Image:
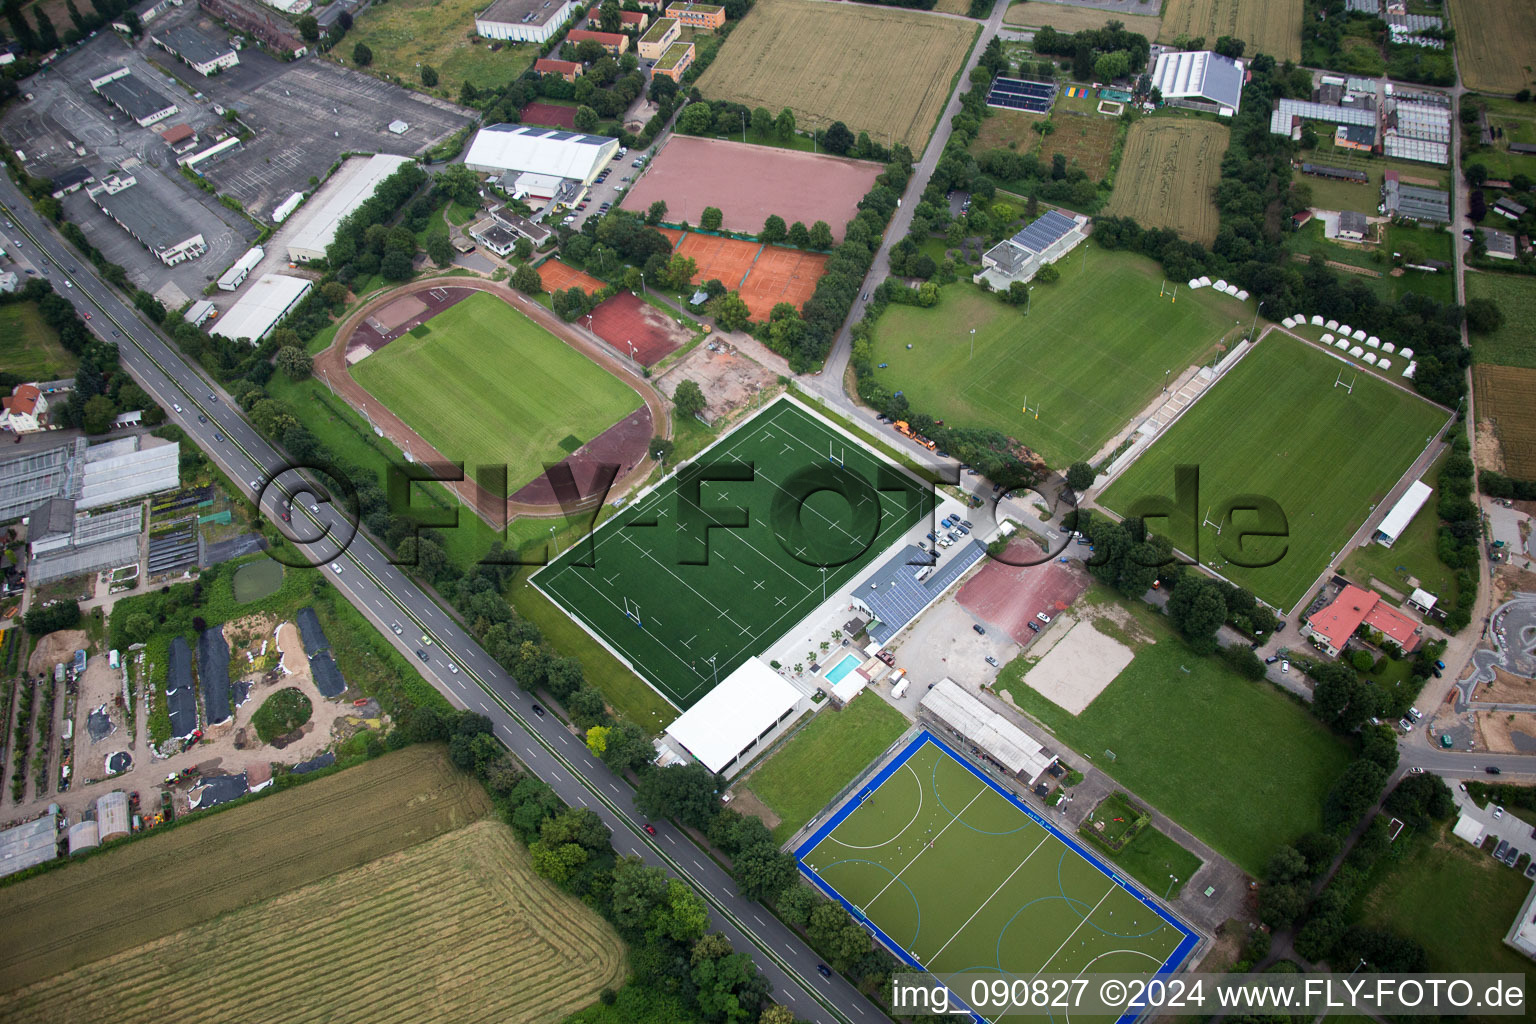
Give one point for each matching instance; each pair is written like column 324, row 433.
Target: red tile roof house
column 1330, row 628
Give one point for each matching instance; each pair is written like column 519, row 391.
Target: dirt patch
column 729, row 380
column 56, row 648
column 1507, row 732
column 746, row 802
column 1224, row 948
column 1508, row 579
column 1507, row 689
column 100, row 704
column 1078, row 667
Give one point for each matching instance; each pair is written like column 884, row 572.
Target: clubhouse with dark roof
column 133, row 97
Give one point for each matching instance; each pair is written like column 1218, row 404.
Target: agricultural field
column 375, row 921
column 1495, row 44
column 1087, row 141
column 1168, row 173
column 1506, row 399
column 140, row 891
column 1512, row 344
column 1277, row 425
column 877, row 69
column 528, row 398
column 1455, row 901
column 32, row 350
column 1069, row 18
column 1216, row 788
column 405, row 34
column 1092, row 355
column 822, row 758
column 1273, row 27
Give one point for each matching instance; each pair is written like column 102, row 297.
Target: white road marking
column 671, row 840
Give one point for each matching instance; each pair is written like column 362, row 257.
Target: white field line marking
column 896, row 877
column 935, row 956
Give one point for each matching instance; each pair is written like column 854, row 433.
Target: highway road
column 387, row 596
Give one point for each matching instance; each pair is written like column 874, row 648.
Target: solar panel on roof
column 1045, row 232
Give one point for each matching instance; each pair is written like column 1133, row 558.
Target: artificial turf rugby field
column 957, row 876
column 1281, row 425
column 683, row 599
column 487, row 386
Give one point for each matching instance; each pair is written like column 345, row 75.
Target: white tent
column 1356, row 352
column 1194, row 283
column 1371, row 342
column 1317, row 321
column 1327, row 339
column 1387, row 346
column 1370, row 357
column 1384, row 363
column 1221, row 285
column 1333, row 325
column 1359, row 335
column 1344, row 329
column 1342, row 343
column 1406, row 353
column 1289, row 322
column 1242, row 294
column 1408, row 370
column 1205, row 282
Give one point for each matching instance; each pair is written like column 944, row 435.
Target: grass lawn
column 1091, row 356
column 1416, row 553
column 1430, row 243
column 406, row 33
column 1324, row 454
column 822, row 758
column 1153, row 859
column 524, row 399
column 32, row 348
column 624, row 691
column 1454, row 901
column 1515, row 295
column 1184, row 741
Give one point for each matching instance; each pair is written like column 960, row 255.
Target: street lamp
column 1171, row 880
column 1255, row 325
column 823, row 583
column 973, row 342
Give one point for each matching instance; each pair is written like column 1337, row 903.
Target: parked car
column 1034, row 627
column 1271, row 659
column 1498, row 812
column 977, row 627
column 1416, row 714
column 1285, row 666
column 1043, row 617
column 993, row 662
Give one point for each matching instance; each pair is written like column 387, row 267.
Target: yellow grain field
column 456, row 928
column 1506, row 400
column 1170, row 167
column 1066, row 18
column 876, row 69
column 160, row 884
column 1272, row 27
column 1495, row 44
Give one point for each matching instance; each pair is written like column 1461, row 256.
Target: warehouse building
column 1501, row 244
column 347, row 189
column 1411, row 202
column 658, row 38
column 235, row 275
column 262, row 308
column 1353, row 227
column 71, row 180
column 677, row 59
column 503, row 148
column 999, row 740
column 615, row 43
column 1402, row 513
column 1510, row 209
column 180, row 137
column 523, row 21
column 30, row 844
column 738, row 719
column 158, row 227
column 199, row 51
column 1200, row 79
column 62, row 543
column 705, row 16
column 135, row 98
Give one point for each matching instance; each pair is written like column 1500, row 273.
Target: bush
column 281, row 714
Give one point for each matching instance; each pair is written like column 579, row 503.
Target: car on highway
column 538, row 711
column 453, row 668
column 87, row 316
column 421, row 654
column 200, row 417
column 256, row 486
column 176, row 407
column 218, row 437
column 396, row 627
column 286, row 517
column 650, row 829
column 426, row 641
column 824, row 970
column 336, row 568
column 1494, row 770
column 315, row 509
column 116, row 335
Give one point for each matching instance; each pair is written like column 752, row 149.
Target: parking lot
column 64, row 113
column 621, row 174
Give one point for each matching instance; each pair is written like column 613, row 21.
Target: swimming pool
column 842, row 668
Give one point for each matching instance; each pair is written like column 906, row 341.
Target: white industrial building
column 289, row 6
column 737, row 719
column 524, row 21
column 1402, row 513
column 1001, row 741
column 262, row 308
column 1201, row 79
column 160, row 228
column 145, row 104
column 1044, row 241
column 202, row 53
column 281, row 211
column 232, row 278
column 348, row 188
column 500, row 148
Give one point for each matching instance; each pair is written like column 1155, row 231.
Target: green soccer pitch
column 487, row 386
column 1277, row 425
column 1090, row 354
column 707, row 598
column 957, row 877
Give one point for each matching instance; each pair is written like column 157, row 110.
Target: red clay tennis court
column 626, row 320
column 782, row 275
column 550, row 115
column 725, row 259
column 556, row 276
